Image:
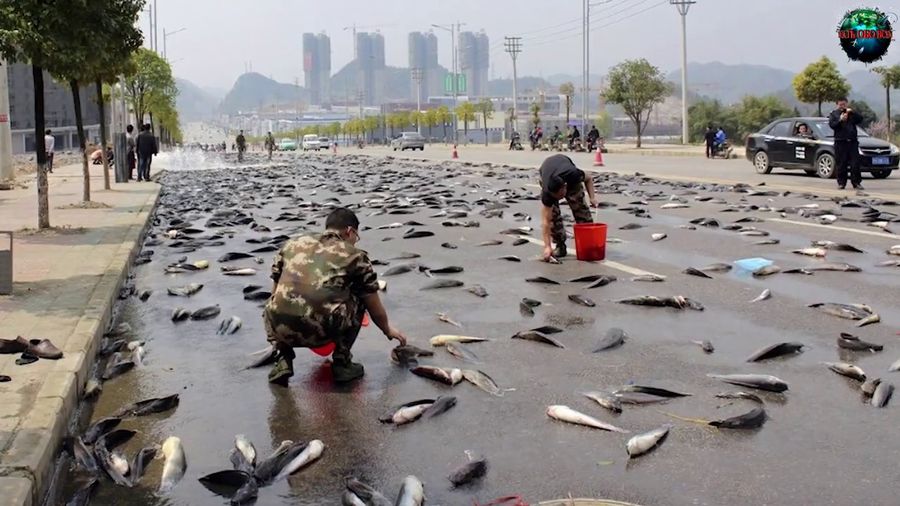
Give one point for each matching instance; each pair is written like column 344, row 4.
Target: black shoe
column 346, row 372
column 560, row 251
column 842, row 186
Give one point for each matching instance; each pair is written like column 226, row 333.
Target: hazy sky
column 223, row 35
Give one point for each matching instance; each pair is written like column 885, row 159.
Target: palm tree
column 486, row 108
column 443, row 115
column 890, row 78
column 466, row 113
column 567, row 89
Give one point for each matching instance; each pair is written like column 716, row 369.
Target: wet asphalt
column 821, row 445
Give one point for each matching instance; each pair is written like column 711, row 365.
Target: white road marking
column 634, row 271
column 833, row 227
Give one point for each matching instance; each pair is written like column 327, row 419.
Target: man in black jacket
column 710, row 137
column 843, row 121
column 146, row 147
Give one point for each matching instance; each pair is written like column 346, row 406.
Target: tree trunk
column 444, row 127
column 568, row 108
column 820, row 107
column 890, row 131
column 41, row 148
column 152, row 130
column 485, row 130
column 103, row 133
column 79, row 125
column 638, row 125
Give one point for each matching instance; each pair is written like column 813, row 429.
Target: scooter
column 722, row 150
column 515, row 144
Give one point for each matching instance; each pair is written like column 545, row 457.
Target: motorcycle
column 722, row 150
column 515, row 144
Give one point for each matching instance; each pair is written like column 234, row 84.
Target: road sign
column 460, row 83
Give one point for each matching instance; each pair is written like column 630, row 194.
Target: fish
column 676, row 301
column 451, row 245
column 228, row 257
column 752, row 419
column 180, row 314
column 812, row 252
column 139, row 464
column 399, row 269
column 412, row 492
column 442, row 283
column 251, row 288
column 442, row 375
column 602, row 281
column 882, row 395
column 407, row 413
column 889, row 263
column 766, row 271
column 586, row 279
column 144, row 295
column 851, row 342
column 520, row 241
column 758, row 381
column 258, row 296
column 848, row 370
column 893, row 250
column 606, row 400
column 246, row 449
column 767, row 242
column 868, row 320
column 83, row 456
column 119, row 330
column 442, row 339
column 462, row 352
column 705, row 345
column 631, row 226
column 82, row 496
column 775, row 350
column 406, row 353
column 389, row 226
column 658, row 237
column 226, row 483
column 696, row 272
column 440, row 406
column 267, row 469
column 848, row 311
column 405, row 256
column 99, row 428
column 547, row 329
column 651, row 278
column 310, row 454
column 446, row 319
column 247, row 271
column 762, row 296
column 92, row 389
column 869, row 386
column 531, row 302
column 453, row 269
column 481, row 380
column 367, row 495
column 113, row 464
column 581, row 300
column 265, row 249
column 567, row 414
column 526, row 310
column 542, row 279
column 538, row 337
column 229, row 325
column 468, row 472
column 614, row 337
column 493, row 242
column 717, row 267
column 894, row 367
column 186, row 290
column 417, row 234
column 510, row 258
column 149, row 406
column 478, row 290
column 740, row 395
column 206, row 313
column 837, row 246
column 175, row 464
column 646, row 442
column 650, row 390
column 674, row 205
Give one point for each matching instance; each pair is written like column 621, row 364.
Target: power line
column 554, row 35
column 598, row 27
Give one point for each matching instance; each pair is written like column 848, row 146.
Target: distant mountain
column 527, row 86
column 253, row 91
column 215, row 92
column 557, row 79
column 193, row 103
column 729, row 83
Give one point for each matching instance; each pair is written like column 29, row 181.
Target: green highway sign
column 460, row 83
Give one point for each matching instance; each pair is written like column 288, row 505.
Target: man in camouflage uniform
column 560, row 178
column 323, row 287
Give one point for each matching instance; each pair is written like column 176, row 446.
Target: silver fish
column 848, row 370
column 762, row 296
column 614, row 337
column 462, row 352
column 567, row 414
column 644, row 443
column 606, row 400
column 482, row 381
column 229, row 326
column 310, row 454
column 412, row 492
column 882, row 395
column 175, row 464
column 759, row 381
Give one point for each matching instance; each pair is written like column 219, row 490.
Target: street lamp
column 165, row 37
column 453, row 29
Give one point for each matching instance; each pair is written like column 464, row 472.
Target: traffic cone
column 598, row 158
column 455, row 155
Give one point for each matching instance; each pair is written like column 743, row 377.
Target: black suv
column 780, row 144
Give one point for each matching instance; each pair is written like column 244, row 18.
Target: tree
column 486, row 108
column 890, row 78
column 637, row 86
column 151, row 86
column 415, row 118
column 444, row 116
column 710, row 112
column 370, row 123
column 465, row 112
column 754, row 113
column 535, row 114
column 567, row 89
column 819, row 82
column 865, row 111
column 431, row 120
column 604, row 124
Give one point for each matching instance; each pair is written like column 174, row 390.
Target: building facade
column 370, row 61
column 317, row 67
column 423, row 55
column 474, row 62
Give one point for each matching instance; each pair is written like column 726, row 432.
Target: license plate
column 880, row 160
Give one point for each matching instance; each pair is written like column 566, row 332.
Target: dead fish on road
column 493, row 242
column 366, row 495
column 538, row 337
column 833, row 266
column 547, row 329
column 646, row 442
column 149, row 406
column 651, row 278
column 482, row 381
column 762, row 296
column 478, row 290
column 584, row 301
column 606, row 400
column 452, row 269
column 848, row 370
column 651, row 390
column 469, row 472
column 407, row 413
column 462, row 352
column 526, row 310
column 229, row 325
column 567, row 414
column 676, row 301
column 247, row 271
column 740, row 395
column 442, row 375
column 405, row 256
column 882, row 395
column 758, row 381
column 510, row 258
column 752, row 419
column 837, row 246
column 869, row 386
column 811, row 252
column 399, row 269
column 175, row 464
column 847, row 311
column 766, row 271
column 851, row 342
column 705, row 345
column 631, row 226
column 407, row 353
column 412, row 492
column 443, row 283
column 206, row 313
column 893, row 250
column 228, row 257
column 614, row 337
column 716, row 267
column 451, row 245
column 541, row 279
column 658, row 237
column 186, row 290
column 259, row 296
column 602, row 281
column 416, row 234
column 696, row 272
column 442, row 339
column 775, row 350
column 446, row 319
column 520, row 241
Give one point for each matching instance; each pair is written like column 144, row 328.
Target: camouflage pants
column 580, row 211
column 340, row 327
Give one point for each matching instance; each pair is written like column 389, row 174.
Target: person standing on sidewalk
column 560, row 178
column 241, row 142
column 130, row 158
column 270, row 144
column 710, row 137
column 146, row 147
column 843, row 120
column 49, row 144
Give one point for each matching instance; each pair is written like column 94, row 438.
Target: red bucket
column 328, row 349
column 590, row 241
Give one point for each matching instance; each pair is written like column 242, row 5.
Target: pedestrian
column 146, row 147
column 844, row 120
column 270, row 144
column 323, row 285
column 241, row 145
column 130, row 158
column 710, row 137
column 560, row 178
column 49, row 144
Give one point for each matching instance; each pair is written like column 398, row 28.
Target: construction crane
column 354, row 27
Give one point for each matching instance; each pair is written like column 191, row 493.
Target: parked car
column 325, row 142
column 779, row 144
column 311, row 142
column 287, row 145
column 408, row 140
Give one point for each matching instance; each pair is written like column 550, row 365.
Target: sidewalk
column 66, row 282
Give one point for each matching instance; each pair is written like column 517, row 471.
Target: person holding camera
column 843, row 121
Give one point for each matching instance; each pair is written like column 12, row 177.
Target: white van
column 311, row 142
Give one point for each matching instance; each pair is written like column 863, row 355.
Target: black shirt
column 710, row 136
column 844, row 130
column 560, row 166
column 145, row 145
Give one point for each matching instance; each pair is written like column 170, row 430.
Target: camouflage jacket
column 315, row 274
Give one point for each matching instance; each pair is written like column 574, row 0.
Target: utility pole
column 417, row 78
column 454, row 31
column 513, row 46
column 166, row 35
column 155, row 27
column 586, row 77
column 7, row 173
column 683, row 6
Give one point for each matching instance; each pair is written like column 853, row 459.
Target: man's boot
column 344, row 370
column 560, row 250
column 283, row 369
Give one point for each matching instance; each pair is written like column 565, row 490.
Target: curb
column 32, row 455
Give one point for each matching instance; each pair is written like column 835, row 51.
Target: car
column 779, row 145
column 408, row 140
column 287, row 145
column 311, row 142
column 325, row 142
